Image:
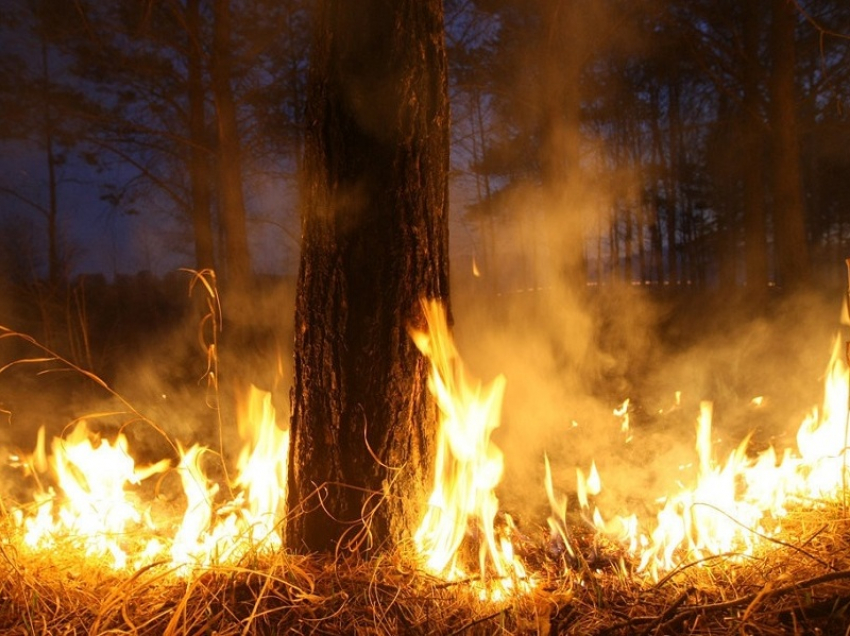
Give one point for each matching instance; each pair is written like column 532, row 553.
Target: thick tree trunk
column 789, row 207
column 374, row 240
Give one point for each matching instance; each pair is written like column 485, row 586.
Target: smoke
column 566, row 181
column 570, row 358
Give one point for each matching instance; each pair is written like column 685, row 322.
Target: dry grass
column 798, row 586
column 59, row 592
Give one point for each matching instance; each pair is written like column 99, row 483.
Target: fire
column 728, row 508
column 248, row 522
column 92, row 474
column 92, row 503
column 468, row 468
column 734, row 504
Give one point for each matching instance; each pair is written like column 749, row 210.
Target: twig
column 669, row 613
column 477, row 621
column 762, row 595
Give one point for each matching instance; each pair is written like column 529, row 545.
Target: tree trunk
column 755, row 222
column 660, row 173
column 232, row 203
column 199, row 152
column 374, row 241
column 789, row 210
column 675, row 176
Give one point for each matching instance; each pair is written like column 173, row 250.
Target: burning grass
column 796, row 586
column 746, row 545
column 274, row 593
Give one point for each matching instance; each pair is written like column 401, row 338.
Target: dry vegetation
column 797, row 585
column 800, row 585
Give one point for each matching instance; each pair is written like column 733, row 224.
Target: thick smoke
column 571, row 355
column 573, row 351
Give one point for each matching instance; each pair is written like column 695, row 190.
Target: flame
column 622, row 412
column 728, row 508
column 92, row 475
column 468, row 467
column 249, row 522
column 91, row 503
column 734, row 504
column 263, row 466
column 557, row 521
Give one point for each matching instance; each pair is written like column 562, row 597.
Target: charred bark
column 374, row 240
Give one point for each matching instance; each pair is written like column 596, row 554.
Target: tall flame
column 250, row 521
column 468, row 465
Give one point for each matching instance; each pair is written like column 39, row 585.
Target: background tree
column 375, row 240
column 177, row 83
column 46, row 132
column 788, row 205
column 239, row 272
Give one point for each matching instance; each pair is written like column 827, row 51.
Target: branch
column 24, row 199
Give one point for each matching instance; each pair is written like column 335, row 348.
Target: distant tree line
column 649, row 141
column 182, row 109
column 678, row 142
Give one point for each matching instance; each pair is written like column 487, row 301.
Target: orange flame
column 468, row 464
column 734, row 504
column 92, row 505
column 250, row 521
column 92, row 475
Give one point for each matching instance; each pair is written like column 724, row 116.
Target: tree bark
column 374, row 241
